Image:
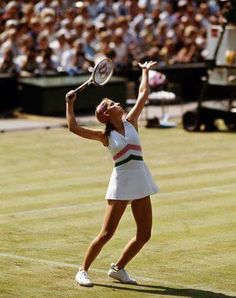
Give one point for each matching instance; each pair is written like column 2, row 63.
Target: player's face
column 114, row 108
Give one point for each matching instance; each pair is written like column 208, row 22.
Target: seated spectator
column 12, row 10
column 92, row 8
column 25, row 44
column 42, row 42
column 74, row 60
column 41, row 5
column 139, row 19
column 89, row 45
column 46, row 64
column 122, row 57
column 48, row 25
column 168, row 51
column 188, row 53
column 120, row 8
column 105, row 7
column 79, row 26
column 173, row 31
column 59, row 46
column 10, row 40
column 7, row 64
column 35, row 29
column 27, row 65
column 28, row 11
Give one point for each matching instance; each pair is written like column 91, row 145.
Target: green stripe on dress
column 130, row 157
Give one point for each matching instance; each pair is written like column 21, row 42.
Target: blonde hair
column 99, row 113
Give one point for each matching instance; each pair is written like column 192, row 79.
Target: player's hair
column 99, row 113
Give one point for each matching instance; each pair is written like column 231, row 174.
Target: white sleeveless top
column 130, row 178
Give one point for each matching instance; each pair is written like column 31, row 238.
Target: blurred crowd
column 43, row 37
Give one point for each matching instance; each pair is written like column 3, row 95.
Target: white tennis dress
column 130, row 178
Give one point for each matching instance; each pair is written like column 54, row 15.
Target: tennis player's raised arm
column 135, row 112
column 73, row 125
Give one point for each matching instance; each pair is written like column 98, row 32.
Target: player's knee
column 143, row 237
column 105, row 236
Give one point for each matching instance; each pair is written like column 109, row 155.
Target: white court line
column 211, row 189
column 61, row 264
column 80, row 207
column 83, row 207
column 68, row 265
column 217, row 190
column 139, row 278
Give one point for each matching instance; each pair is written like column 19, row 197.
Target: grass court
column 52, row 190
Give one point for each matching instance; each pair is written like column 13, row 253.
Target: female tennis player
column 130, row 182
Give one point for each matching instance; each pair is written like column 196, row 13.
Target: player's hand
column 71, row 96
column 147, row 64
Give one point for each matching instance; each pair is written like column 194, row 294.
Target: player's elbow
column 72, row 127
column 143, row 96
column 143, row 93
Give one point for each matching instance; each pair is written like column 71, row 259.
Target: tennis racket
column 101, row 74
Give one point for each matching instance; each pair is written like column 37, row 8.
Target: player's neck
column 118, row 125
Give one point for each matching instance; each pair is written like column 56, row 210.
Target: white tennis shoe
column 120, row 275
column 83, row 279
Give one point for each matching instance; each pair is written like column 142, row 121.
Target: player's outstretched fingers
column 147, row 64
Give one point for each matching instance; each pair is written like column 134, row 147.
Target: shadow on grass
column 161, row 290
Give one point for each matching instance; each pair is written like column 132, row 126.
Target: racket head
column 102, row 72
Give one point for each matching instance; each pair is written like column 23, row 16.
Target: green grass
column 52, row 191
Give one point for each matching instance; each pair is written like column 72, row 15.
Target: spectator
column 27, row 65
column 49, row 28
column 42, row 42
column 105, row 7
column 10, row 40
column 205, row 12
column 139, row 18
column 123, row 29
column 121, row 59
column 40, row 5
column 7, row 64
column 34, row 29
column 187, row 53
column 79, row 26
column 104, row 48
column 120, row 8
column 28, row 11
column 89, row 45
column 92, row 8
column 168, row 51
column 59, row 46
column 25, row 44
column 12, row 10
column 74, row 61
column 46, row 64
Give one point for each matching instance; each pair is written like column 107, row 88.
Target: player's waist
column 127, row 153
column 129, row 158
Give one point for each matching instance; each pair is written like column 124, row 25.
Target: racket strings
column 103, row 72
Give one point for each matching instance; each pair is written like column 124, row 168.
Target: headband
column 101, row 109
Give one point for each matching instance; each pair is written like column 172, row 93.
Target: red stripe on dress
column 127, row 148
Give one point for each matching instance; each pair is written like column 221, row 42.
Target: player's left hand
column 147, row 64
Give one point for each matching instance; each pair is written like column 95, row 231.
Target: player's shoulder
column 132, row 122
